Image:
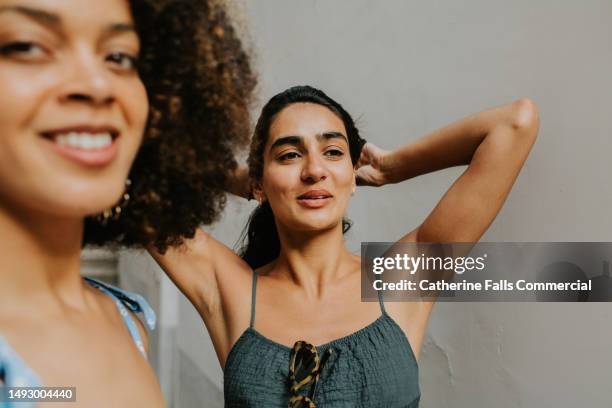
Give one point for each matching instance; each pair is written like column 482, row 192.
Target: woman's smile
column 88, row 145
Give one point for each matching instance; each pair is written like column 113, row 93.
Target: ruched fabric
column 373, row 367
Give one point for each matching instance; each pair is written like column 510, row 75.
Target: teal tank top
column 373, row 367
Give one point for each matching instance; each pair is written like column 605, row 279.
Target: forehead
column 306, row 120
column 71, row 13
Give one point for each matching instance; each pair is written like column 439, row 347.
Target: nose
column 313, row 170
column 87, row 81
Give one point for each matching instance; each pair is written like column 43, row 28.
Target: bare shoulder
column 110, row 308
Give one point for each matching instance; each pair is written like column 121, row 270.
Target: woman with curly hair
column 110, row 109
column 296, row 285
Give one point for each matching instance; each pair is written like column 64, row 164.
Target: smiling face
column 308, row 176
column 73, row 106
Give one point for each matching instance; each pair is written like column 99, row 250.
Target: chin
column 84, row 200
column 315, row 225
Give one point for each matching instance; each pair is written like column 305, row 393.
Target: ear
column 354, row 186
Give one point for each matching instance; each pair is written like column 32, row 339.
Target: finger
column 364, row 157
column 363, row 176
column 361, row 162
column 361, row 182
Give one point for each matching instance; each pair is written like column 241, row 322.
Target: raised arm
column 209, row 273
column 494, row 144
column 192, row 269
column 193, row 266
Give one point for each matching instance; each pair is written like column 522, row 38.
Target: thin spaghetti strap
column 253, row 298
column 382, row 303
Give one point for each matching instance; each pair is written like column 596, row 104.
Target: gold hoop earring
column 113, row 213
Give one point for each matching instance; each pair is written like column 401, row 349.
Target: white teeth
column 84, row 141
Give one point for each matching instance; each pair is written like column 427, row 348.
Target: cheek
column 280, row 180
column 23, row 91
column 135, row 109
column 344, row 176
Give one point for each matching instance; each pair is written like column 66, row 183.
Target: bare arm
column 494, row 144
column 195, row 266
column 207, row 272
column 192, row 268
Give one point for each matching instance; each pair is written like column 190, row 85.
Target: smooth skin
column 66, row 64
column 312, row 291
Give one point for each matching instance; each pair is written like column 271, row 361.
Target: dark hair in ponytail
column 260, row 242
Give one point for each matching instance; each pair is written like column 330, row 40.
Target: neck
column 313, row 259
column 39, row 258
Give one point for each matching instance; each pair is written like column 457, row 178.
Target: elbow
column 525, row 117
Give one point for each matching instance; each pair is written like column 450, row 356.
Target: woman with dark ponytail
column 312, row 341
column 262, row 243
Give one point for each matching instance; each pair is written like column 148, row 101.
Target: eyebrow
column 297, row 140
column 120, row 28
column 48, row 18
column 39, row 15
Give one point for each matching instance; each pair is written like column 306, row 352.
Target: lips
column 315, row 198
column 85, row 144
column 315, row 195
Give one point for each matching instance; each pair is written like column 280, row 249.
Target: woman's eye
column 123, row 61
column 334, row 152
column 289, row 156
column 23, row 49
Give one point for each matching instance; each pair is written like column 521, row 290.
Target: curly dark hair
column 200, row 86
column 259, row 240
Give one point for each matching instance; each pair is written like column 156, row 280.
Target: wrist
column 390, row 168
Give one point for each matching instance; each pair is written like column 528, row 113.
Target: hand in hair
column 239, row 183
column 372, row 166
